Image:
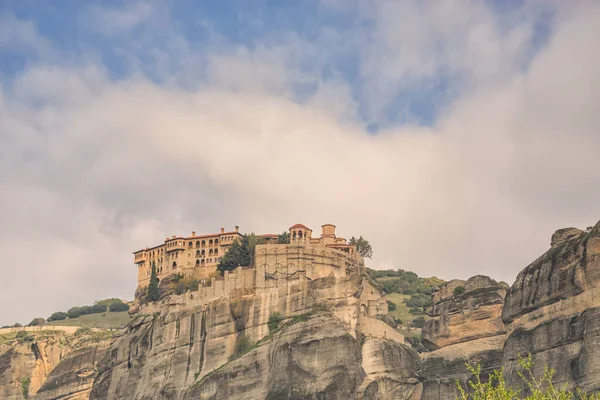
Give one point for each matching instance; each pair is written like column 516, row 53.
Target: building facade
column 199, row 256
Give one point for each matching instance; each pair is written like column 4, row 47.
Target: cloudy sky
column 456, row 136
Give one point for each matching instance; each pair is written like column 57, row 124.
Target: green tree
column 37, row 322
column 391, row 306
column 362, row 246
column 116, row 307
column 496, row 388
column 274, row 320
column 283, row 238
column 153, row 293
column 58, row 316
column 241, row 253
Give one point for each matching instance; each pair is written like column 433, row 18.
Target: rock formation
column 552, row 311
column 50, row 364
column 465, row 326
column 330, row 344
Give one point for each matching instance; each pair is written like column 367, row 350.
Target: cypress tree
column 153, row 292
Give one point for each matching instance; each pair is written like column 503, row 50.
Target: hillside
column 409, row 294
column 106, row 320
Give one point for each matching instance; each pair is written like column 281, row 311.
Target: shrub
column 21, row 334
column 37, row 322
column 180, row 288
column 242, row 345
column 58, row 316
column 495, row 387
column 193, row 285
column 274, row 321
column 25, row 386
column 458, row 290
column 418, row 322
column 17, row 325
column 391, row 305
column 117, row 307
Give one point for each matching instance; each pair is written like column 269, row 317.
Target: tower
column 300, row 234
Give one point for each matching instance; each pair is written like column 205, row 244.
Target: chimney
column 193, row 233
column 222, row 230
column 237, row 228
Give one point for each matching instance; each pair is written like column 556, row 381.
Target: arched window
column 216, row 252
column 203, row 253
column 202, row 263
column 216, row 242
column 203, row 243
column 197, row 262
column 197, row 244
column 197, row 253
column 210, row 252
column 210, row 242
column 174, row 264
column 299, row 234
column 210, row 260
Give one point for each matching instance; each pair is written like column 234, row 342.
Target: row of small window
column 203, row 243
column 159, row 270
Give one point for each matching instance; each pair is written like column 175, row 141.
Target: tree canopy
column 241, row 253
column 153, row 292
column 283, row 238
column 362, row 246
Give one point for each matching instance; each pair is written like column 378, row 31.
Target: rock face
column 50, row 364
column 209, row 345
column 552, row 311
column 465, row 326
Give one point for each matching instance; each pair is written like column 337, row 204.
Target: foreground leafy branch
column 496, row 388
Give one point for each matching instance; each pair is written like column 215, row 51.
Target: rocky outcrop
column 465, row 326
column 330, row 345
column 50, row 364
column 471, row 313
column 552, row 311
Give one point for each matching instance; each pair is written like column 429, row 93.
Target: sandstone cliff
column 465, row 326
column 330, row 344
column 50, row 364
column 552, row 311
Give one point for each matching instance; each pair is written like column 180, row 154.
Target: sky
column 456, row 136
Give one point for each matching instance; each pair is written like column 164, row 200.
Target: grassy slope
column 101, row 320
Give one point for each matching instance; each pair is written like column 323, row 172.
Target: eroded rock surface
column 552, row 311
column 50, row 364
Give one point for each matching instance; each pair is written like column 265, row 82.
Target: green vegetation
column 58, row 316
column 274, row 321
column 240, row 253
column 25, row 386
column 283, row 238
column 363, row 247
column 37, row 321
column 153, row 293
column 391, row 306
column 104, row 321
column 496, row 388
column 23, row 336
column 409, row 292
column 458, row 290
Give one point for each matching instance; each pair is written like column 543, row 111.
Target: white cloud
column 93, row 169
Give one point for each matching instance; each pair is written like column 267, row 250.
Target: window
column 216, row 252
column 202, row 263
column 197, row 262
column 202, row 254
column 197, row 244
column 190, row 245
column 210, row 252
column 203, row 243
column 216, row 242
column 210, row 242
column 174, row 265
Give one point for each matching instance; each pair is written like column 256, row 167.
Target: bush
column 274, row 321
column 391, row 306
column 193, row 285
column 418, row 322
column 458, row 290
column 117, row 307
column 495, row 387
column 37, row 322
column 58, row 316
column 180, row 288
column 17, row 325
column 242, row 345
